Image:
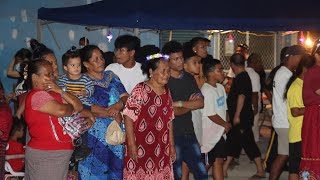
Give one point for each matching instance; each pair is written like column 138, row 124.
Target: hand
column 236, row 119
column 194, row 96
column 113, row 112
column 91, row 121
column 133, row 152
column 173, row 154
column 118, row 118
column 227, row 127
column 82, row 93
column 52, row 86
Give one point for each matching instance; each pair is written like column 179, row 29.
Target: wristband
column 180, row 104
column 62, row 92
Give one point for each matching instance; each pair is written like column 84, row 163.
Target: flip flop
column 256, row 176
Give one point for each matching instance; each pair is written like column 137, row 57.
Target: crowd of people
column 178, row 108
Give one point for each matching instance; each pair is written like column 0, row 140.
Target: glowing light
column 301, row 37
column 308, row 42
column 230, row 38
column 109, row 36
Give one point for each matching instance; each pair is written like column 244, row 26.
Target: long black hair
column 307, row 61
column 34, row 68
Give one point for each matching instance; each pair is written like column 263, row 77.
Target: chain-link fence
column 261, row 43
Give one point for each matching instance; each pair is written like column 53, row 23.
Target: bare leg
column 226, row 165
column 260, row 170
column 185, row 171
column 217, row 169
column 277, row 166
column 293, row 176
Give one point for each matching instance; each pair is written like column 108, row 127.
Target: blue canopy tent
column 248, row 15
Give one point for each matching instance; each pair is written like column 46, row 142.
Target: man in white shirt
column 254, row 61
column 279, row 106
column 128, row 70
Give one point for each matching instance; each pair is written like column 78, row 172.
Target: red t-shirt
column 14, row 149
column 40, row 130
column 5, row 121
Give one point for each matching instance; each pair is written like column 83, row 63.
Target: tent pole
column 136, row 32
column 216, row 41
column 39, row 30
column 54, row 37
column 170, row 35
column 248, row 38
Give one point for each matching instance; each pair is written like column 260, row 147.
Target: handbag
column 73, row 125
column 114, row 134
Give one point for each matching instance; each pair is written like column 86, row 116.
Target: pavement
column 246, row 169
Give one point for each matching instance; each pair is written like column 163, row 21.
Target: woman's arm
column 295, row 111
column 11, row 72
column 171, row 142
column 132, row 147
column 68, row 97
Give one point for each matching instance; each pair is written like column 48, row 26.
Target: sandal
column 256, row 176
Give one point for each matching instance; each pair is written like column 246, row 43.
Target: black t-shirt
column 241, row 85
column 181, row 90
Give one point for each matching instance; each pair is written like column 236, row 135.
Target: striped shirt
column 84, row 83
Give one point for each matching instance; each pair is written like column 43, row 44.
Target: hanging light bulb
column 230, row 39
column 301, row 37
column 109, row 35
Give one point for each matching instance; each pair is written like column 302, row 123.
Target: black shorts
column 294, row 157
column 219, row 151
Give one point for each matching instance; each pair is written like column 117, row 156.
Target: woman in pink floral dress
column 148, row 119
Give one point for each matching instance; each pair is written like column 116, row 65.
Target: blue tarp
column 251, row 15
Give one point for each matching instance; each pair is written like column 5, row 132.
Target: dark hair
column 187, row 51
column 283, row 54
column 17, row 124
column 108, row 57
column 315, row 48
column 86, row 54
column 307, row 61
column 33, row 68
column 243, row 46
column 253, row 58
column 39, row 50
column 145, row 51
column 151, row 64
column 23, row 54
column 84, row 39
column 237, row 59
column 209, row 66
column 71, row 53
column 127, row 41
column 194, row 41
column 172, row 47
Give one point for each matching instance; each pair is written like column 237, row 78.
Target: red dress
column 151, row 114
column 310, row 160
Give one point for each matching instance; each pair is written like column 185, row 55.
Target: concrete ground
column 246, row 168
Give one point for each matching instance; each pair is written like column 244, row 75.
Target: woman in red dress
column 148, row 119
column 310, row 161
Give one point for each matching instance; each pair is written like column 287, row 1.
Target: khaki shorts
column 283, row 140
